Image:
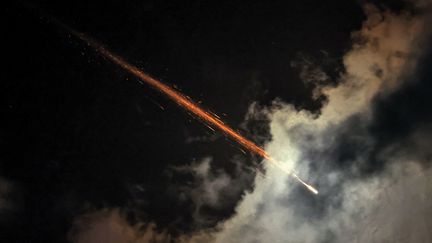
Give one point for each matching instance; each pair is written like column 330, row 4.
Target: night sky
column 82, row 139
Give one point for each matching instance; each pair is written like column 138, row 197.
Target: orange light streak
column 185, row 102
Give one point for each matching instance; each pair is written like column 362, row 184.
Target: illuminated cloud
column 335, row 150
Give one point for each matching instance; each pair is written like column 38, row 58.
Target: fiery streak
column 212, row 120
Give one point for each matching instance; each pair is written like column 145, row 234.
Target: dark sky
column 77, row 131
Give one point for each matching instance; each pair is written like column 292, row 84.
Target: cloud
column 110, row 226
column 334, row 149
column 211, row 192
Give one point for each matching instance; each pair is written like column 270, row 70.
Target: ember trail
column 184, row 102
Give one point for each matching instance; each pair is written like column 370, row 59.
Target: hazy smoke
column 109, row 225
column 5, row 194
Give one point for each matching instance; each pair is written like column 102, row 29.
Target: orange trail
column 184, row 102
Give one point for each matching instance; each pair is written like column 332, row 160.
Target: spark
column 212, row 121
